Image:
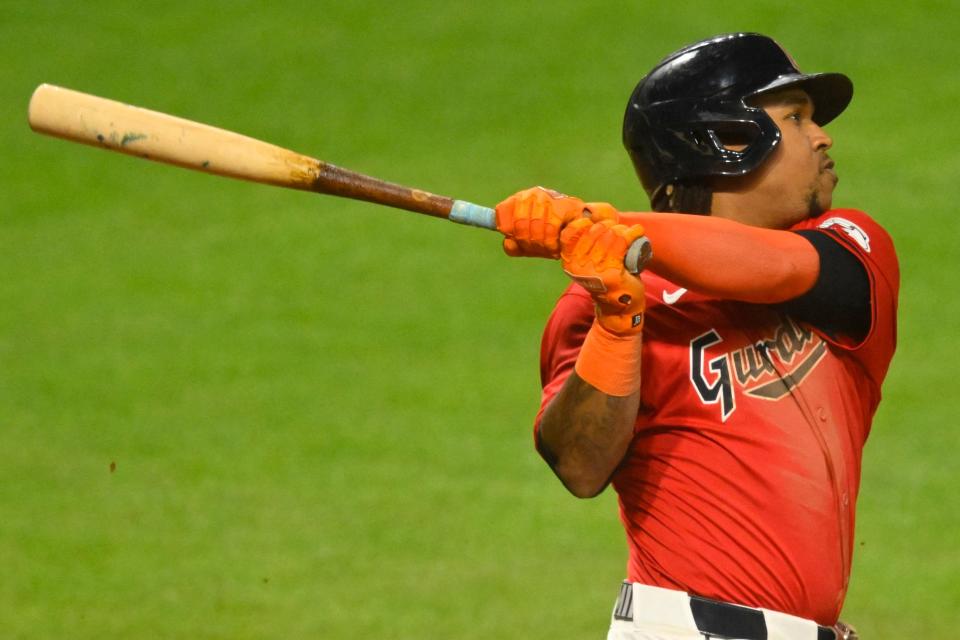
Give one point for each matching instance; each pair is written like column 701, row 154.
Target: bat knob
column 638, row 255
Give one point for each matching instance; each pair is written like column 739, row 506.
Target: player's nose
column 820, row 139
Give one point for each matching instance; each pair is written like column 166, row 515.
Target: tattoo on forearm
column 586, row 425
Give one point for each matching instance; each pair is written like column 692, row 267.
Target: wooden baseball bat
column 89, row 119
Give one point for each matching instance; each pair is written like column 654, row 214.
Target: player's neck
column 754, row 211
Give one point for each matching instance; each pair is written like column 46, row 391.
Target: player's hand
column 592, row 254
column 533, row 219
column 845, row 631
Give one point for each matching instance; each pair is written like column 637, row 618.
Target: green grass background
column 319, row 410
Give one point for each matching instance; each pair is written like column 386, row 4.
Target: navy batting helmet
column 683, row 111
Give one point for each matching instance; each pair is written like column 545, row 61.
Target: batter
column 727, row 391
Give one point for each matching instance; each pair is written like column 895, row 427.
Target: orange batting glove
column 592, row 254
column 533, row 219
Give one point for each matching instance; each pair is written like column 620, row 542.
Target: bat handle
column 463, row 212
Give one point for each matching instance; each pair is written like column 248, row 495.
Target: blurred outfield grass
column 319, row 410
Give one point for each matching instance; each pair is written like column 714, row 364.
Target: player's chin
column 826, row 199
column 820, row 199
column 817, row 203
column 828, row 182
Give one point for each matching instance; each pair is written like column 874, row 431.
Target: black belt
column 716, row 620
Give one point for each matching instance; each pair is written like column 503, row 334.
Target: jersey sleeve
column 873, row 247
column 562, row 338
column 839, row 302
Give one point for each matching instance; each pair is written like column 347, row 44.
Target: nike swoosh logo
column 672, row 297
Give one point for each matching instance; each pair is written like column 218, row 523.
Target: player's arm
column 586, row 428
column 713, row 256
column 728, row 259
column 809, row 274
column 584, row 434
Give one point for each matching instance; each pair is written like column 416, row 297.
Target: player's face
column 797, row 180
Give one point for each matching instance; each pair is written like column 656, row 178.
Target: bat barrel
column 161, row 137
column 135, row 131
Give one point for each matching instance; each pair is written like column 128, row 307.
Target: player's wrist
column 621, row 313
column 610, row 362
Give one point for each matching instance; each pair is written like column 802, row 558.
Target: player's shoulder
column 853, row 227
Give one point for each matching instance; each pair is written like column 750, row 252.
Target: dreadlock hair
column 683, row 197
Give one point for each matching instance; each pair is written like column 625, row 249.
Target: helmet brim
column 830, row 92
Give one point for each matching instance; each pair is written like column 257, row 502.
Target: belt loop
column 624, row 607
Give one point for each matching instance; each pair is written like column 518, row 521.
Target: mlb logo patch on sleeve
column 853, row 230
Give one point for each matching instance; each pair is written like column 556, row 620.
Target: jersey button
column 846, row 499
column 822, row 413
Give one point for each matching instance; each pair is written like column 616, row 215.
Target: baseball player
column 726, row 392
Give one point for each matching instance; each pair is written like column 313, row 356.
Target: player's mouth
column 828, row 168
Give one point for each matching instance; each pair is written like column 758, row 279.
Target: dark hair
column 683, row 197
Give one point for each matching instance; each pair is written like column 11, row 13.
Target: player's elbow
column 585, row 474
column 784, row 276
column 798, row 274
column 585, row 489
column 583, row 481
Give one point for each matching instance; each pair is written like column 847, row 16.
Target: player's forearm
column 728, row 259
column 584, row 434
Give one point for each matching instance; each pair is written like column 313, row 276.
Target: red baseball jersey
column 741, row 480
